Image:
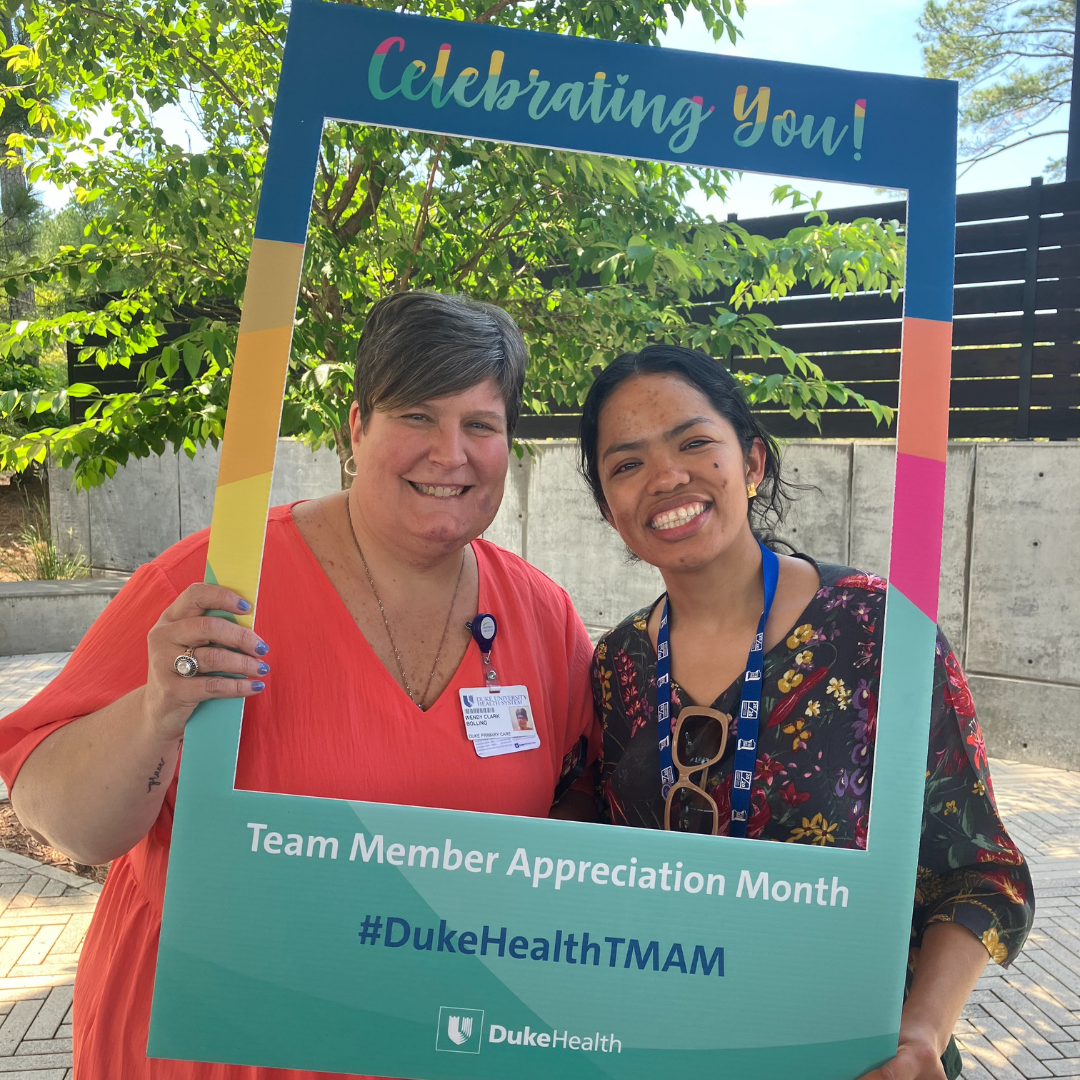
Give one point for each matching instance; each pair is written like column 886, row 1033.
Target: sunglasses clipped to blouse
column 698, row 742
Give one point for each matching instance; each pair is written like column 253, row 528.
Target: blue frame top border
column 361, row 65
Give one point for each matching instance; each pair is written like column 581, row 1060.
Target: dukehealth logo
column 460, row 1030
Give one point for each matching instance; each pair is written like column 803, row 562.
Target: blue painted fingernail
column 243, row 605
column 257, row 686
column 264, row 669
column 262, row 648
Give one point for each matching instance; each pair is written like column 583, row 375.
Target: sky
column 874, row 35
column 869, row 35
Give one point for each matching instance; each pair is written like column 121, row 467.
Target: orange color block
column 258, row 385
column 922, row 427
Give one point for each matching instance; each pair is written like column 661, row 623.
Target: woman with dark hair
column 354, row 672
column 683, row 471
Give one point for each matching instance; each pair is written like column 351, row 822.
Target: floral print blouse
column 816, row 757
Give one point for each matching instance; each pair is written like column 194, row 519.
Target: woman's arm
column 973, row 901
column 95, row 787
column 950, row 962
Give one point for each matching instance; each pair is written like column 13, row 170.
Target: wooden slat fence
column 116, row 379
column 1016, row 357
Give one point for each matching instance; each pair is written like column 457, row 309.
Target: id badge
column 498, row 719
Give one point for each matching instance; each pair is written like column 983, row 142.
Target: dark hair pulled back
column 716, row 383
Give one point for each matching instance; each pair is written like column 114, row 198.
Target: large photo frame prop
column 306, row 962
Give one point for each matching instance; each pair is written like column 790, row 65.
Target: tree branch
column 494, row 10
column 421, row 220
column 328, row 181
column 367, row 209
column 485, row 244
column 973, row 161
column 231, row 94
column 348, row 190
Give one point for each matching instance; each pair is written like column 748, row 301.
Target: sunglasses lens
column 691, row 812
column 700, row 738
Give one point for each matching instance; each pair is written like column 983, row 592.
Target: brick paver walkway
column 44, row 913
column 1025, row 1021
column 23, row 676
column 1021, row 1024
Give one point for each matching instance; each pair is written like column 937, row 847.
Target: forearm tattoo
column 155, row 780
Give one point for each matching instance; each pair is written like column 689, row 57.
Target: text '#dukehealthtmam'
column 397, row 933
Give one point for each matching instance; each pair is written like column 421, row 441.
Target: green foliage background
column 591, row 255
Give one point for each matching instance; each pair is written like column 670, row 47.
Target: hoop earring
column 751, row 490
column 351, row 461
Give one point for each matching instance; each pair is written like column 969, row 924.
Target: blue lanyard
column 749, row 705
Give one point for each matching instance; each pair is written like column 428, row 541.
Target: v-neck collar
column 449, row 693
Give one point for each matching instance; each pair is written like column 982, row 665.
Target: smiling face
column 673, row 473
column 431, row 475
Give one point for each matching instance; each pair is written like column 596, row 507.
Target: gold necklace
column 386, row 622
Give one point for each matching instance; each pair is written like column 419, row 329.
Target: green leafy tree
column 1013, row 59
column 20, row 208
column 46, row 374
column 591, row 255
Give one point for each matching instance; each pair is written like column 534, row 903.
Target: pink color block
column 918, row 516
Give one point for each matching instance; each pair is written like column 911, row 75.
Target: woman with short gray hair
column 381, row 616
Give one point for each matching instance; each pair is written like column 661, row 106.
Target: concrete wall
column 548, row 518
column 50, row 616
column 1010, row 581
column 1010, row 576
column 152, row 503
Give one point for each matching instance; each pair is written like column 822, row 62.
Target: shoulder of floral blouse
column 945, row 656
column 834, row 575
column 949, row 678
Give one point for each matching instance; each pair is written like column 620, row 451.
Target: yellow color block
column 237, row 532
column 273, row 280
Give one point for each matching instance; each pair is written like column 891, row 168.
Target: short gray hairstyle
column 420, row 345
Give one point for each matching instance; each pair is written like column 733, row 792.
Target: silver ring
column 185, row 665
